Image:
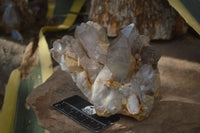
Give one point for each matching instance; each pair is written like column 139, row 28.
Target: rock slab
column 180, row 114
column 153, row 18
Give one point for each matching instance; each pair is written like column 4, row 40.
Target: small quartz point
column 94, row 40
column 144, row 85
column 78, row 48
column 105, row 99
column 63, row 47
column 133, row 37
column 150, row 55
column 91, row 67
column 143, row 82
column 119, row 58
column 58, row 49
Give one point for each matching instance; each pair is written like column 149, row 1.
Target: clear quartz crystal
column 143, row 82
column 58, row 49
column 119, row 58
column 91, row 67
column 78, row 48
column 120, row 77
column 62, row 46
column 104, row 98
column 133, row 37
column 93, row 40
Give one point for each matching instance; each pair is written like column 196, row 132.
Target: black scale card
column 84, row 113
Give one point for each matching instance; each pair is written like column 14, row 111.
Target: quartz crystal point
column 118, row 77
column 143, row 82
column 132, row 35
column 94, row 40
column 119, row 55
column 119, row 58
column 150, row 55
column 58, row 50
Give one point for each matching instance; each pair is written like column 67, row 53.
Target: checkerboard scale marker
column 84, row 113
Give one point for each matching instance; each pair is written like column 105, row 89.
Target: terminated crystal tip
column 127, row 30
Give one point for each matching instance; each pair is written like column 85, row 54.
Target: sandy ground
column 180, row 68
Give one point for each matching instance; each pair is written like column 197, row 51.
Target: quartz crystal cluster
column 119, row 76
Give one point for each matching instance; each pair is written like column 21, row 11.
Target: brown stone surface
column 178, row 111
column 153, row 18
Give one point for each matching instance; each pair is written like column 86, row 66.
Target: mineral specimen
column 118, row 76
